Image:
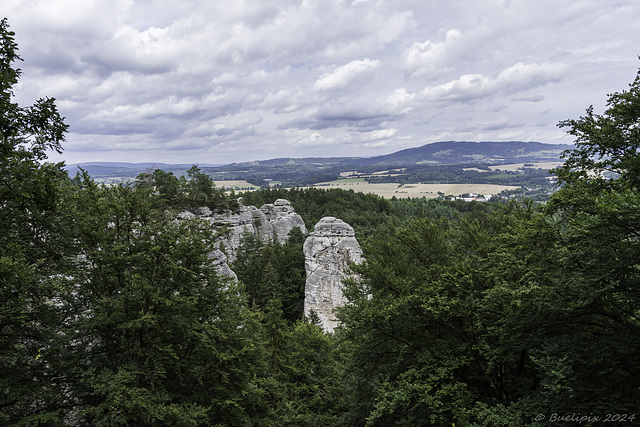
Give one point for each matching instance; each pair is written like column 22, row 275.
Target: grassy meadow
column 389, row 190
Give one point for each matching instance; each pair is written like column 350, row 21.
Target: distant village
column 474, row 198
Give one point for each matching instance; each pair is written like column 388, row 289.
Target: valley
column 441, row 169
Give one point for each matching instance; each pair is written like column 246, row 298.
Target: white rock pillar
column 283, row 218
column 328, row 251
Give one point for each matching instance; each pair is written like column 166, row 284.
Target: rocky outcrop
column 232, row 225
column 221, row 266
column 273, row 221
column 283, row 218
column 328, row 251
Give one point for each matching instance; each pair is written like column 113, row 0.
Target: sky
column 213, row 81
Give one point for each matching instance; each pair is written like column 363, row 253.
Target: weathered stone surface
column 220, row 263
column 328, row 251
column 232, row 225
column 271, row 221
column 283, row 218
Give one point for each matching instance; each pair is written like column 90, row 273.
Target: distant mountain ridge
column 124, row 169
column 437, row 153
column 455, row 152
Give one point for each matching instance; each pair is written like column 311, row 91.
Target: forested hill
column 437, row 153
column 456, row 152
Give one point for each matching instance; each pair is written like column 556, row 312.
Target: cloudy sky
column 219, row 81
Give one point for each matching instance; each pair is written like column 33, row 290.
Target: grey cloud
column 337, row 115
column 499, row 124
column 224, row 132
column 205, row 79
column 368, row 112
column 532, row 98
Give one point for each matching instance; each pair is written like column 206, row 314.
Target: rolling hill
column 437, row 154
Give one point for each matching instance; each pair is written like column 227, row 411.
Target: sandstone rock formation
column 220, row 263
column 273, row 221
column 283, row 218
column 328, row 251
column 232, row 225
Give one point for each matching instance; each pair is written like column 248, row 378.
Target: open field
column 388, row 190
column 431, row 190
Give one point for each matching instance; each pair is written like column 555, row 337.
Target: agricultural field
column 389, row 190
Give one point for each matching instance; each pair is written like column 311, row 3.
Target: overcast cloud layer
column 226, row 81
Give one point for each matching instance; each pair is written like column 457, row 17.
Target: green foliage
column 595, row 223
column 29, row 245
column 179, row 193
column 157, row 338
column 249, row 265
column 304, row 374
column 414, row 320
column 607, row 142
column 273, row 270
column 364, row 212
column 511, row 310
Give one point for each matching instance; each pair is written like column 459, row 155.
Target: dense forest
column 464, row 314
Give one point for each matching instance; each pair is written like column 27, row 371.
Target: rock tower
column 328, row 251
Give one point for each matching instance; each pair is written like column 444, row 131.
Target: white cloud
column 526, row 76
column 433, row 58
column 519, row 77
column 467, row 87
column 399, row 101
column 345, row 74
column 380, row 134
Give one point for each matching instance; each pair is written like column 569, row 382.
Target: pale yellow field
column 431, row 190
column 388, row 190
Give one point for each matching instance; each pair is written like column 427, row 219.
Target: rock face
column 328, row 251
column 272, row 221
column 283, row 218
column 220, row 263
